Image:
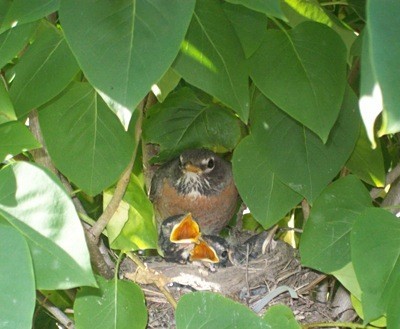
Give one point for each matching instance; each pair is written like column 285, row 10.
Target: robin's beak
column 192, row 168
column 204, row 252
column 186, row 231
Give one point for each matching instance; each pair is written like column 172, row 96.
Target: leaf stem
column 334, row 3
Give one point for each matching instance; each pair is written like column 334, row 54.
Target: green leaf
column 303, row 71
column 367, row 163
column 132, row 226
column 46, row 68
column 7, row 112
column 116, row 304
column 17, row 282
column 297, row 155
column 184, row 121
column 25, row 11
column 34, row 203
column 381, row 322
column 212, row 59
column 280, row 316
column 383, row 24
column 167, row 83
column 12, row 41
column 85, row 139
column 211, row 310
column 124, row 47
column 15, row 138
column 268, row 199
column 375, row 253
column 347, row 277
column 325, row 242
column 250, row 26
column 269, row 8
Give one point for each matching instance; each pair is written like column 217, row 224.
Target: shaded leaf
column 270, row 8
column 298, row 156
column 25, row 11
column 124, row 47
column 303, row 71
column 116, row 304
column 17, row 281
column 250, row 26
column 33, row 202
column 383, row 24
column 13, row 40
column 46, row 68
column 85, row 139
column 132, row 226
column 268, row 199
column 15, row 138
column 184, row 121
column 367, row 163
column 325, row 242
column 167, row 83
column 212, row 310
column 212, row 59
column 375, row 253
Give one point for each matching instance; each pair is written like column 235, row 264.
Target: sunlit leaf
column 124, row 47
column 33, row 202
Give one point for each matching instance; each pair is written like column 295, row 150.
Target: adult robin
column 200, row 182
column 181, row 241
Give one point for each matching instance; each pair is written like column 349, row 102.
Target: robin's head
column 201, row 171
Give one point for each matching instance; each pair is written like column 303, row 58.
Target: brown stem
column 55, row 311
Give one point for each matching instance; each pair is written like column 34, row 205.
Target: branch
column 390, row 178
column 55, row 311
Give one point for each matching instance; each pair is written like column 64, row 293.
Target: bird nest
column 274, row 276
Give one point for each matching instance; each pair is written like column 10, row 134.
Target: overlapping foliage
column 297, row 91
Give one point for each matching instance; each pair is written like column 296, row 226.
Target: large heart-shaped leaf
column 325, row 243
column 297, row 155
column 125, row 46
column 13, row 40
column 44, row 71
column 17, row 281
column 33, row 201
column 266, row 196
column 184, row 121
column 19, row 12
column 303, row 71
column 375, row 253
column 116, row 304
column 212, row 59
column 85, row 139
column 15, row 137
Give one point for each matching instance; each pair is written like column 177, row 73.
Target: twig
column 312, row 284
column 55, row 311
column 336, row 324
column 154, row 278
column 305, row 207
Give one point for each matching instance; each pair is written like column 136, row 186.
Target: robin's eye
column 210, row 163
column 224, row 254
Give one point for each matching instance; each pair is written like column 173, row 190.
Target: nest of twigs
column 271, row 276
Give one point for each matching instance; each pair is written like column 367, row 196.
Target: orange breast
column 212, row 212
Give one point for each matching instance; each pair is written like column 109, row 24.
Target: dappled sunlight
column 190, row 50
column 370, row 107
column 122, row 112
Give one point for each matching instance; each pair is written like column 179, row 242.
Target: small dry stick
column 55, row 311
